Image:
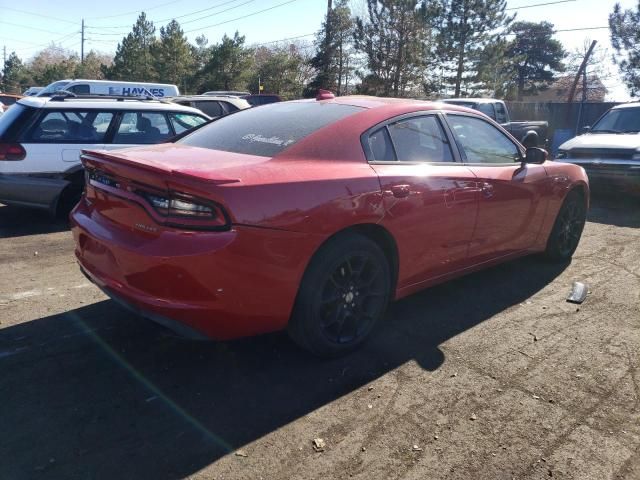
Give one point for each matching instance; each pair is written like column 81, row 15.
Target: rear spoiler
column 105, row 156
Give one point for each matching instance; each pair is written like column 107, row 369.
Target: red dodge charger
column 312, row 215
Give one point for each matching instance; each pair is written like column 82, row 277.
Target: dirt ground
column 492, row 376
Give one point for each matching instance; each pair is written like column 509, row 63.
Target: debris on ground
column 578, row 292
column 416, row 448
column 241, row 453
column 473, row 417
column 318, row 444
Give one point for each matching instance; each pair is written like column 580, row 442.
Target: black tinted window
column 7, row 100
column 380, row 146
column 13, row 120
column 82, row 89
column 268, row 130
column 420, row 139
column 213, row 109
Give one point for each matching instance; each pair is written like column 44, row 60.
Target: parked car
column 32, row 91
column 262, row 99
column 227, row 93
column 313, row 215
column 41, row 139
column 529, row 133
column 109, row 87
column 609, row 151
column 214, row 106
column 7, row 99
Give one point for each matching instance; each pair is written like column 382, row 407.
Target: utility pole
column 82, row 43
column 572, row 92
column 4, row 66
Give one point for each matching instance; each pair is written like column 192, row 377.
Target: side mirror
column 586, row 129
column 535, row 155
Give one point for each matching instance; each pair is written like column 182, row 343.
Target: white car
column 41, row 140
column 110, row 87
column 609, row 151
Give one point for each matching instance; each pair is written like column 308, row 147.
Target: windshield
column 268, row 130
column 53, row 88
column 621, row 120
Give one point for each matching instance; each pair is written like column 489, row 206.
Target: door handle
column 487, row 190
column 401, row 191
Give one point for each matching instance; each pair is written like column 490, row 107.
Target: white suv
column 41, row 140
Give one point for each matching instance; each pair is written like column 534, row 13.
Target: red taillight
column 181, row 210
column 12, row 151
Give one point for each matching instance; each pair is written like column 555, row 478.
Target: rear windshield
column 268, row 130
column 13, row 119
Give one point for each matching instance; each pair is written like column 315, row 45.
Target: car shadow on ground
column 98, row 393
column 621, row 210
column 18, row 222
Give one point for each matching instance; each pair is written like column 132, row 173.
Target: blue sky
column 28, row 26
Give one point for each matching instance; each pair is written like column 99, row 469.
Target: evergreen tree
column 134, row 58
column 624, row 28
column 15, row 77
column 229, row 65
column 466, row 28
column 395, row 40
column 331, row 59
column 173, row 55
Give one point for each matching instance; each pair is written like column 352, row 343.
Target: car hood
column 603, row 140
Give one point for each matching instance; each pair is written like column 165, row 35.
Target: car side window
column 71, row 127
column 380, row 146
column 487, row 109
column 185, row 121
column 501, row 113
column 420, row 139
column 229, row 107
column 142, row 128
column 82, row 89
column 481, row 142
column 213, row 109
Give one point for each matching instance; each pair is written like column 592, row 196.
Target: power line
column 242, row 17
column 29, row 27
column 539, row 4
column 39, row 15
column 136, row 11
column 187, row 15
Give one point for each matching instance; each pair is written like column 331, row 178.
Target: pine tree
column 15, row 77
column 229, row 65
column 624, row 28
column 134, row 58
column 466, row 28
column 331, row 58
column 395, row 40
column 173, row 55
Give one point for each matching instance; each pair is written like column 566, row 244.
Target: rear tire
column 567, row 229
column 343, row 295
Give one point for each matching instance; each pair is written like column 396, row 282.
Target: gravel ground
column 492, row 376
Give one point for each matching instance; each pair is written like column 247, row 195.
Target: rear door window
column 268, row 130
column 142, row 128
column 420, row 139
column 70, row 126
column 211, row 108
column 182, row 122
column 501, row 113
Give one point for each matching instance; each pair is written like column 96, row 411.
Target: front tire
column 343, row 295
column 567, row 229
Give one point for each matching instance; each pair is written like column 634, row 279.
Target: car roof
column 469, row 100
column 239, row 102
column 395, row 104
column 102, row 103
column 627, row 105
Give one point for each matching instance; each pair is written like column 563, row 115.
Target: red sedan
column 311, row 216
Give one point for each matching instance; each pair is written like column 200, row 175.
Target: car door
column 512, row 201
column 430, row 197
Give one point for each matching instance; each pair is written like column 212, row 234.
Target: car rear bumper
column 222, row 285
column 30, row 191
column 611, row 175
